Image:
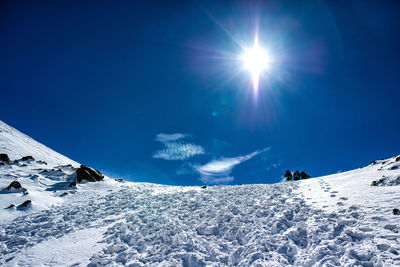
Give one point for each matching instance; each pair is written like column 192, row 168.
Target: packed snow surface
column 336, row 220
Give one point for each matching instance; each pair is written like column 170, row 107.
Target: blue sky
column 153, row 91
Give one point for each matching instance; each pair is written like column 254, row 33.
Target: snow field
column 336, row 220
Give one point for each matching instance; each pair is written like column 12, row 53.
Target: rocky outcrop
column 4, row 158
column 387, row 181
column 377, row 182
column 89, row 174
column 27, row 158
column 15, row 185
column 25, row 204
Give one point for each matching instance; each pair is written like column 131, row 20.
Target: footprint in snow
column 377, row 218
column 340, row 203
column 333, row 195
column 344, row 198
column 382, row 247
column 390, row 227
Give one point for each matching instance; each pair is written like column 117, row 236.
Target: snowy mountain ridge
column 335, row 220
column 17, row 145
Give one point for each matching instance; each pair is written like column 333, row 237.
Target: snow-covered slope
column 337, row 220
column 17, row 145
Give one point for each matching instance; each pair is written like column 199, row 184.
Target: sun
column 256, row 60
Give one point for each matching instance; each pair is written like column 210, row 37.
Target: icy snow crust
column 336, row 220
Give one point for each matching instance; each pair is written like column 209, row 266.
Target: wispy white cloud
column 218, row 171
column 175, row 148
column 163, row 138
column 178, row 151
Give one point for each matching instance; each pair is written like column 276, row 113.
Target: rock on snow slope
column 336, row 220
column 17, row 145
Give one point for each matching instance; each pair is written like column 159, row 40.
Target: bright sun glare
column 256, row 60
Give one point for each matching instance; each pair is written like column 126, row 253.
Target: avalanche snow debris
column 336, row 220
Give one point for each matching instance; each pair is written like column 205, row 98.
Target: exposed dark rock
column 393, row 168
column 71, row 184
column 86, row 173
column 26, row 158
column 65, row 166
column 398, row 158
column 42, row 162
column 25, row 204
column 15, row 184
column 64, row 194
column 372, row 163
column 377, row 182
column 396, row 211
column 119, row 180
column 204, row 187
column 11, row 206
column 288, row 176
column 4, row 158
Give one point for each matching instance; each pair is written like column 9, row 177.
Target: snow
column 63, row 251
column 335, row 220
column 17, row 145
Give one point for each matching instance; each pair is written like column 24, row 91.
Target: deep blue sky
column 98, row 81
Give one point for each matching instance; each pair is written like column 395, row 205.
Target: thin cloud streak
column 218, row 171
column 163, row 138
